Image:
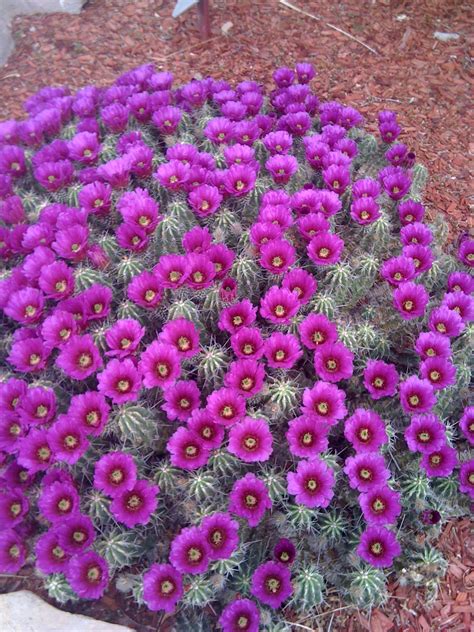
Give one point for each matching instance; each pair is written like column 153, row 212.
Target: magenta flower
column 12, row 551
column 282, row 167
column 79, row 357
column 166, row 119
column 425, row 434
column 421, row 256
column 115, row 117
column 35, row 452
column 282, row 350
column 190, row 551
column 325, row 402
column 439, row 372
column 12, row 391
column 312, row 224
column 160, row 364
column 432, row 345
column 378, row 546
column 76, row 534
column 139, row 209
column 307, row 437
column 460, row 282
column 120, row 381
column 277, row 256
column 201, row 271
column 72, row 243
column 205, row 200
column 222, row 258
column 115, row 473
column 162, row 587
column 58, row 501
column 237, row 316
column 124, row 337
column 97, row 299
column 284, row 552
column 325, row 248
column 466, row 252
column 416, row 233
column 88, row 575
column 84, row 148
column 301, row 283
column 380, row 506
column 226, row 406
column 247, row 343
column 240, row 614
column 67, row 440
column 239, row 180
column 54, row 176
column 410, row 300
column 246, row 377
column 171, row 270
column 262, row 233
column 333, row 362
column 417, row 395
column 365, row 430
column 197, row 240
column 50, row 555
column 187, row 450
column 410, row 212
column 25, row 306
column 37, row 406
column 219, row 130
column 380, row 379
column 181, row 399
column 466, row 478
column 445, row 321
column 278, row 142
column 182, row 335
column 228, row 290
column 440, row 462
column 131, row 237
column 312, row 484
column 251, row 440
column 337, row 178
column 466, row 424
column 277, row 214
column 398, row 270
column 316, row 330
column 12, row 432
column 365, row 211
column 249, row 499
column 95, row 198
column 305, row 72
column 56, row 280
column 90, row 412
column 279, row 305
column 271, row 584
column 203, row 427
column 366, row 470
column 135, row 506
column 14, row 507
column 222, row 535
column 461, row 303
column 145, row 290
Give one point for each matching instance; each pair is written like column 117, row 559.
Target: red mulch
column 425, row 81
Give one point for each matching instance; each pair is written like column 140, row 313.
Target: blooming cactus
column 235, row 359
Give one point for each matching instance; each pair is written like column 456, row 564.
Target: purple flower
column 277, row 256
column 466, row 252
column 432, row 345
column 58, row 501
column 35, row 452
column 240, row 155
column 226, row 406
column 95, row 198
column 305, row 72
column 282, row 167
column 307, row 437
column 135, row 506
column 249, row 499
column 445, row 321
column 439, row 372
column 279, row 305
column 466, row 424
column 365, row 430
column 12, row 432
column 145, row 290
column 120, row 381
column 283, row 77
column 461, row 303
column 190, row 551
column 365, row 211
column 12, row 551
column 466, row 478
column 440, row 462
column 222, row 535
column 460, row 282
column 50, row 555
column 237, row 316
column 37, row 406
column 201, row 271
column 417, row 395
column 301, row 283
column 410, row 212
column 159, row 364
column 416, row 233
column 366, row 470
column 79, row 357
column 97, row 299
column 246, row 377
column 380, row 505
column 166, row 119
column 115, row 117
column 197, row 240
column 284, row 552
column 410, row 300
column 14, row 507
column 398, row 270
column 67, row 440
column 277, row 214
column 380, row 379
column 251, row 440
column 316, row 330
column 162, row 587
column 219, row 130
column 181, row 398
column 325, row 248
column 240, row 614
column 205, row 429
column 271, row 584
column 56, row 280
column 282, row 350
column 247, row 342
column 88, row 575
column 171, row 270
column 76, row 534
column 312, row 484
column 172, row 175
column 239, row 180
column 337, row 178
column 182, row 335
column 421, row 256
column 222, row 258
column 124, row 337
column 325, row 402
column 378, row 546
column 54, row 176
column 25, row 306
column 389, row 131
column 115, row 473
column 205, row 200
column 84, row 148
column 90, row 412
column 333, row 362
column 72, row 243
column 12, row 161
column 278, row 142
column 425, row 434
column 187, row 450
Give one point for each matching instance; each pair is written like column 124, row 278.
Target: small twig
column 185, row 50
column 298, row 625
column 12, row 74
column 288, row 5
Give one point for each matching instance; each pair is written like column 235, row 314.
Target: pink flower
column 271, row 584
column 251, row 440
column 307, row 437
column 115, row 473
column 67, row 440
column 333, row 362
column 226, row 406
column 380, row 379
column 325, row 402
column 246, row 377
column 159, row 365
column 190, row 551
column 440, row 462
column 249, row 499
column 187, row 450
column 277, row 256
column 365, row 430
column 237, row 316
column 325, row 248
column 279, row 305
column 380, row 506
column 79, row 358
column 120, row 381
column 182, row 335
column 162, row 585
column 301, row 283
column 282, row 350
column 312, row 484
column 181, row 399
column 135, row 506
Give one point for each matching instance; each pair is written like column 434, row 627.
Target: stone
column 445, row 37
column 23, row 611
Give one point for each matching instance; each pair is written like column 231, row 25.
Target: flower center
column 378, row 382
column 364, row 434
column 70, row 441
column 398, row 276
column 247, row 383
column 116, row 476
column 248, row 349
column 94, row 574
column 41, row 411
column 217, row 537
column 434, row 375
column 43, row 453
column 227, row 412
column 15, row 509
column 365, row 474
column 92, row 418
column 280, row 355
column 64, row 505
column 408, row 306
column 184, row 343
column 79, row 536
column 85, row 360
column 331, row 364
column 191, row 451
column 134, row 502
column 470, row 478
column 60, row 286
column 378, row 505
column 194, row 555
column 441, row 327
column 175, row 276
column 15, row 430
column 251, row 500
column 123, row 385
column 280, row 311
column 242, row 622
column 149, row 295
column 322, row 408
column 237, row 321
column 435, row 459
column 251, row 443
column 365, row 215
column 14, row 551
column 272, row 584
column 143, row 220
column 125, row 343
column 198, row 277
column 184, row 403
column 75, row 247
column 167, row 587
column 239, row 185
column 98, row 307
column 414, row 400
column 376, row 548
column 323, row 253
column 311, row 485
column 58, row 552
column 65, row 333
column 162, row 370
column 277, row 262
column 34, row 359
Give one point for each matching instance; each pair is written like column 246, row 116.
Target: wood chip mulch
column 424, row 80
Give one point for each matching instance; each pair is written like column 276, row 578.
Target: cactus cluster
column 236, row 359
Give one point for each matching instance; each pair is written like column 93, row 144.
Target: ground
column 408, row 70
